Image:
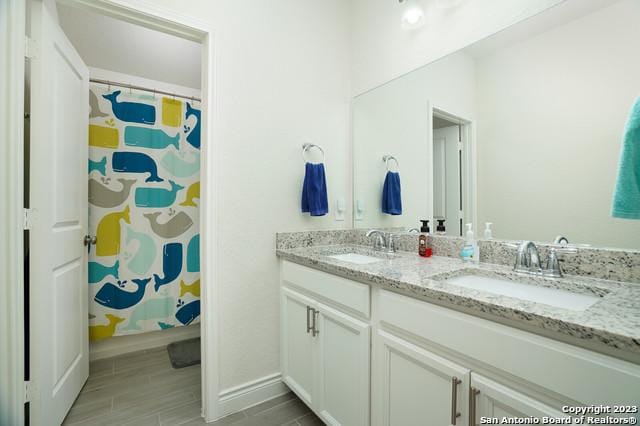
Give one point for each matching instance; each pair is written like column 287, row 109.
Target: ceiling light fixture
column 412, row 16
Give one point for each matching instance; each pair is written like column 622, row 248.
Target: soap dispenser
column 470, row 251
column 441, row 230
column 488, row 233
column 424, row 245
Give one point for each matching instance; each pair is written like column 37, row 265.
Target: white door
column 343, row 368
column 413, row 386
column 59, row 345
column 491, row 399
column 446, row 145
column 439, row 177
column 298, row 344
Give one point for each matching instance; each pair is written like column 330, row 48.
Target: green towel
column 626, row 197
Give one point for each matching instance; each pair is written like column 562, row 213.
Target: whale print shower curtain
column 144, row 192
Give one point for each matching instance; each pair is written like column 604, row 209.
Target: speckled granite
column 607, row 264
column 611, row 326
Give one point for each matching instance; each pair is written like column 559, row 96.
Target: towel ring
column 306, row 147
column 388, row 158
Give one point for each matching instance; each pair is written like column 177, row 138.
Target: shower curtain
column 144, row 191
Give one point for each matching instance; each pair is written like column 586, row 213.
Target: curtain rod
column 133, row 86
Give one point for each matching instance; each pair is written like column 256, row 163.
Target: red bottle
column 424, row 245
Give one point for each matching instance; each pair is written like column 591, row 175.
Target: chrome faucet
column 379, row 242
column 528, row 260
column 384, row 241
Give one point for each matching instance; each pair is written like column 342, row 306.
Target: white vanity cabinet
column 430, row 365
column 298, row 353
column 488, row 398
column 417, row 387
column 342, row 368
column 411, row 384
column 325, row 347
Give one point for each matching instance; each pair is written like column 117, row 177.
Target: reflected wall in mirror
column 521, row 129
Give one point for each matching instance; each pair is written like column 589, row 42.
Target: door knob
column 88, row 241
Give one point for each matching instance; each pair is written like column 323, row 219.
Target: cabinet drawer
column 584, row 376
column 350, row 295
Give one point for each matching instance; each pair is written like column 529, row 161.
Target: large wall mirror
column 521, row 129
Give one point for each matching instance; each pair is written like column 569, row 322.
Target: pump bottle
column 424, row 245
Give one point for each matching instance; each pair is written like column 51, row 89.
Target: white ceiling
column 115, row 45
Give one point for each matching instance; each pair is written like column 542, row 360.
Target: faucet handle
column 553, row 265
column 379, row 242
column 391, row 242
column 553, row 268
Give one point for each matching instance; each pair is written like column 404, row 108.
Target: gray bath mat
column 184, row 353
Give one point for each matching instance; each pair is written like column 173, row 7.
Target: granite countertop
column 611, row 325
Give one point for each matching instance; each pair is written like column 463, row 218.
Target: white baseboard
column 125, row 344
column 251, row 393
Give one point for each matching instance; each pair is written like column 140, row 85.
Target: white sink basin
column 549, row 296
column 360, row 259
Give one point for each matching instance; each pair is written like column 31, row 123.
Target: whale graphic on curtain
column 144, row 189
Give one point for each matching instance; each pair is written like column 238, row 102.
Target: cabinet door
column 491, row 399
column 413, row 386
column 297, row 344
column 343, row 368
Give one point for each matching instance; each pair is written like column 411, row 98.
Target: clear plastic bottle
column 488, row 233
column 470, row 252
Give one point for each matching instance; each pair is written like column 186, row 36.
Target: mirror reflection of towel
column 314, row 190
column 626, row 197
column 391, row 194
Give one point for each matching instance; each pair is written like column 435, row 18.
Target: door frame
column 12, row 50
column 469, row 163
column 12, row 71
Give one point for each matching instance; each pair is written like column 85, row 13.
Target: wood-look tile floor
column 143, row 389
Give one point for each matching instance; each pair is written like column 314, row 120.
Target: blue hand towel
column 391, row 194
column 314, row 190
column 626, row 197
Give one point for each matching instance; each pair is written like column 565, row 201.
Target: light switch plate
column 341, row 207
column 359, row 210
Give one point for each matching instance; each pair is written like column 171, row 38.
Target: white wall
column 551, row 111
column 282, row 75
column 382, row 50
column 394, row 119
column 115, row 45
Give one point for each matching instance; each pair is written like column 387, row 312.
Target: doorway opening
column 452, row 172
column 126, row 111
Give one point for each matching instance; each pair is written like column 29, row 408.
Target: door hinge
column 30, row 48
column 30, row 391
column 27, row 218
